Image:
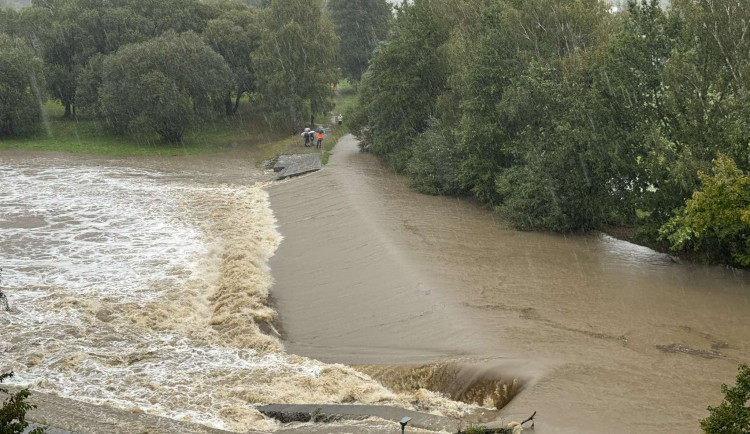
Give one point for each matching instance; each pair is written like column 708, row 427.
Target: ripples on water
column 136, row 290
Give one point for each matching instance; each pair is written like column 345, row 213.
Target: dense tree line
column 361, row 25
column 161, row 66
column 570, row 115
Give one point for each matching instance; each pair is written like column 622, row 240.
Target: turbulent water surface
column 147, row 289
column 141, row 290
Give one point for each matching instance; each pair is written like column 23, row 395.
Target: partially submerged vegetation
column 571, row 116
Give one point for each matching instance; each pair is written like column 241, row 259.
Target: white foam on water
column 134, row 289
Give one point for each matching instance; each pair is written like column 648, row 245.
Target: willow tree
column 165, row 85
column 296, row 60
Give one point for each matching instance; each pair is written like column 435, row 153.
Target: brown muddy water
column 194, row 288
column 144, row 286
column 599, row 335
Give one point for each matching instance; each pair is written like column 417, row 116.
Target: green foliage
column 433, row 168
column 179, row 79
column 361, row 25
column 69, row 33
column 21, row 87
column 400, row 90
column 235, row 35
column 296, row 60
column 732, row 416
column 716, row 220
column 566, row 116
column 13, row 411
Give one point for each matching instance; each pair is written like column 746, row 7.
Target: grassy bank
column 247, row 128
column 78, row 134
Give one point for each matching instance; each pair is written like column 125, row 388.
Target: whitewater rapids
column 145, row 291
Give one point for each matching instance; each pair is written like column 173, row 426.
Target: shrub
column 716, row 220
column 433, row 168
column 732, row 416
column 13, row 411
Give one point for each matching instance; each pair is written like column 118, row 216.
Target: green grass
column 81, row 135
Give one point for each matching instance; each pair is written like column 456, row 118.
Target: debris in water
column 677, row 348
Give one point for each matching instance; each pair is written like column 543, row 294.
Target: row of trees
column 568, row 115
column 164, row 65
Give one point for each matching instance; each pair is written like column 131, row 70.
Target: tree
column 21, row 84
column 296, row 60
column 13, row 411
column 732, row 416
column 399, row 92
column 236, row 35
column 59, row 39
column 708, row 79
column 716, row 220
column 361, row 25
column 68, row 33
column 167, row 84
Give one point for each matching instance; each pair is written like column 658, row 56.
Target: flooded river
column 605, row 336
column 194, row 290
column 148, row 290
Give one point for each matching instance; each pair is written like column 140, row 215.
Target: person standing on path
column 320, row 139
column 341, row 119
column 307, row 134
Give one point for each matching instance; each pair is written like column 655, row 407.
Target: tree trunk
column 312, row 122
column 237, row 101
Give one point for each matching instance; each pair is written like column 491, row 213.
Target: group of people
column 310, row 135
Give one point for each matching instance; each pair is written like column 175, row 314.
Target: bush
column 716, row 220
column 433, row 167
column 732, row 416
column 13, row 411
